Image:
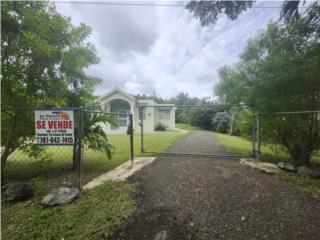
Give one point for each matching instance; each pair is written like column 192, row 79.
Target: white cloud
column 165, row 49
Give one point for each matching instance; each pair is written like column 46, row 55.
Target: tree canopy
column 208, row 11
column 43, row 61
column 279, row 70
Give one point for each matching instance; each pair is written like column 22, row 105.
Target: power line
column 144, row 4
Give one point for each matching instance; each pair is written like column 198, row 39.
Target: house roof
column 116, row 89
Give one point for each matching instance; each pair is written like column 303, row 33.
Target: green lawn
column 99, row 210
column 242, row 146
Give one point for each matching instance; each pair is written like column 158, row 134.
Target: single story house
column 118, row 101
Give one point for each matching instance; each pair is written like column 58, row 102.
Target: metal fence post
column 253, row 134
column 141, row 129
column 131, row 137
column 80, row 133
column 258, row 136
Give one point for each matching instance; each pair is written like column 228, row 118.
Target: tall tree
column 43, row 61
column 279, row 70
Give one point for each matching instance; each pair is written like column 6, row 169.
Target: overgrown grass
column 242, row 146
column 97, row 211
column 310, row 184
column 93, row 215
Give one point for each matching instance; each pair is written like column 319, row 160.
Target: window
column 164, row 114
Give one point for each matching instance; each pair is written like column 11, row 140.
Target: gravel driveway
column 193, row 197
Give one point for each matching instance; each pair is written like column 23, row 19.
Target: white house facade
column 119, row 102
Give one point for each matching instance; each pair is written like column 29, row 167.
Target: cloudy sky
column 161, row 48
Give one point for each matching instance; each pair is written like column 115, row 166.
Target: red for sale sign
column 54, row 127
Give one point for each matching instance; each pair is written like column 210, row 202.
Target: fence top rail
column 111, row 113
column 198, row 106
column 285, row 113
column 25, row 109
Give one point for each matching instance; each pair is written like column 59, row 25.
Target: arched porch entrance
column 120, row 107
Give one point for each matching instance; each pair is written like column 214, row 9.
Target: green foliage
column 208, row 11
column 38, row 155
column 221, row 122
column 93, row 134
column 279, row 71
column 243, row 122
column 43, row 58
column 160, row 127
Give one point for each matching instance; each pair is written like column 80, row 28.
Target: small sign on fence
column 54, row 127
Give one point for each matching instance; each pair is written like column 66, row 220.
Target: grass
column 97, row 211
column 92, row 216
column 242, row 146
column 19, row 165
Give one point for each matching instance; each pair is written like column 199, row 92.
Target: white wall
column 148, row 122
column 169, row 123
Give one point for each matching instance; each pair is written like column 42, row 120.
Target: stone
column 286, row 166
column 62, row 195
column 264, row 167
column 307, row 172
column 17, row 191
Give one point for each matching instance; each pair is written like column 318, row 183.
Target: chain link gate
column 253, row 152
column 272, row 118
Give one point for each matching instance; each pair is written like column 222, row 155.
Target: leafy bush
column 160, row 127
column 221, row 122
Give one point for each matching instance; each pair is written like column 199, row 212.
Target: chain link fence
column 46, row 162
column 100, row 156
column 49, row 161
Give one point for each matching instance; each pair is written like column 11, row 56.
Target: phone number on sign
column 55, row 140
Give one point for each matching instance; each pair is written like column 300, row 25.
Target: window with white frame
column 164, row 114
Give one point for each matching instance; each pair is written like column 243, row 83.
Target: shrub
column 160, row 127
column 221, row 122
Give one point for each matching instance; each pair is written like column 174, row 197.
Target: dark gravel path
column 192, row 197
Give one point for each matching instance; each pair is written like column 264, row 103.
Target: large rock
column 62, row 195
column 287, row 166
column 307, row 172
column 268, row 168
column 17, row 191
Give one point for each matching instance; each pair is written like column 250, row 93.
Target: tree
column 221, row 122
column 43, row 62
column 279, row 71
column 208, row 11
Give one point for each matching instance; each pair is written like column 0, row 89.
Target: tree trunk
column 4, row 156
column 8, row 149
